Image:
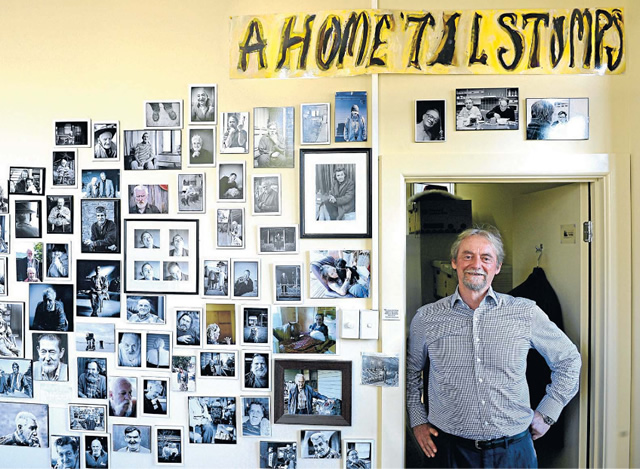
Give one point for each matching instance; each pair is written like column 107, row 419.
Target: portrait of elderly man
column 429, row 125
column 140, row 201
column 235, row 137
column 50, row 353
column 92, row 384
column 133, row 440
column 188, row 328
column 202, row 107
column 105, row 187
column 96, row 456
column 122, row 400
column 8, row 344
column 243, row 286
column 178, row 246
column 322, row 448
column 104, row 136
column 104, row 234
column 30, row 261
column 229, row 188
column 470, row 113
column 26, row 433
column 200, row 421
column 271, row 150
column 99, row 291
column 144, row 313
column 66, row 452
column 155, row 398
column 143, row 154
column 59, row 218
column 339, row 202
column 199, row 154
column 502, row 111
column 58, row 261
column 258, row 375
column 301, row 397
column 49, row 313
column 129, row 350
column 354, row 462
column 266, row 198
column 27, row 224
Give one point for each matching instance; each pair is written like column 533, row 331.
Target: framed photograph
column 351, row 116
column 326, row 385
column 335, row 193
column 183, row 373
column 58, row 261
column 256, row 368
column 152, row 149
column 26, row 180
column 98, row 288
column 158, row 350
column 340, row 274
column 92, row 377
column 487, row 109
column 4, row 276
column 165, row 114
column 218, row 364
column 188, row 325
column 155, row 397
column 273, row 137
column 95, row 337
column 169, row 446
column 45, row 296
column 28, row 219
column 97, row 451
column 18, row 378
column 220, row 324
column 65, row 168
column 135, row 439
column 278, row 454
column 4, row 199
column 87, row 418
column 281, row 239
column 101, row 183
column 202, row 147
column 129, row 349
column 60, row 214
column 256, row 324
column 430, row 120
column 12, row 322
column 320, row 444
column 234, row 132
column 50, row 356
column 230, row 228
column 33, row 415
column 123, row 392
column 288, row 283
column 246, row 278
column 557, row 118
column 192, row 196
column 105, row 140
column 359, row 454
column 28, row 261
column 65, row 449
column 256, row 416
column 231, row 182
column 146, row 309
column 5, row 234
column 216, row 278
column 380, row 370
column 172, row 267
column 308, row 330
column 267, row 195
column 72, row 133
column 203, row 102
column 100, row 226
column 151, row 199
column 315, row 124
column 212, row 420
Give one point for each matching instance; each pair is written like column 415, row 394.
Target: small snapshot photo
column 278, row 454
column 147, row 238
column 29, row 258
column 287, row 280
column 100, row 226
column 5, row 235
column 267, row 198
column 324, row 444
column 17, row 374
column 246, row 278
column 487, row 109
column 380, row 370
column 188, row 326
column 50, row 356
column 4, row 200
column 183, row 373
column 191, row 197
column 60, row 214
column 351, row 116
column 557, row 118
column 92, row 378
column 87, row 418
column 358, row 454
column 202, row 147
column 163, row 114
column 256, row 370
column 158, row 350
column 155, row 397
column 273, row 137
column 216, row 278
column 234, row 132
column 169, row 446
column 430, row 120
column 151, row 199
column 95, row 337
column 203, row 103
column 134, row 439
column 147, row 270
column 308, row 329
column 101, row 183
column 26, row 422
column 72, row 133
column 230, row 228
column 231, row 182
column 96, row 451
column 58, row 261
column 65, row 169
column 152, row 149
column 278, row 239
column 65, row 451
column 256, row 420
column 255, row 325
column 147, row 309
column 123, row 392
column 129, row 349
column 315, row 122
column 340, row 274
column 4, row 277
column 98, row 288
column 26, row 181
column 218, row 364
column 105, row 140
column 28, row 218
column 220, row 325
column 51, row 307
column 212, row 420
column 312, row 392
column 12, row 325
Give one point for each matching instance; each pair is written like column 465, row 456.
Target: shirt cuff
column 417, row 416
column 550, row 408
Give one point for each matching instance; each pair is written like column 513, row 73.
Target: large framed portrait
column 12, row 318
column 165, row 114
column 487, row 109
column 335, row 193
column 557, row 118
column 273, row 137
column 100, row 226
column 203, row 104
column 152, row 149
column 312, row 392
column 305, row 330
column 172, row 267
column 34, row 414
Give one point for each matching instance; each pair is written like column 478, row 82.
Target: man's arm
column 492, row 112
column 349, row 194
column 110, row 237
column 52, row 216
column 63, row 324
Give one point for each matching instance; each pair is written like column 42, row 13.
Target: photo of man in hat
column 355, row 128
column 64, row 169
column 28, row 219
column 105, row 136
column 57, row 261
column 59, row 219
column 103, row 233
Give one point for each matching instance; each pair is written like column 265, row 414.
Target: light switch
column 369, row 322
column 350, row 323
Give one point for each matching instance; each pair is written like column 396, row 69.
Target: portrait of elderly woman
column 203, row 103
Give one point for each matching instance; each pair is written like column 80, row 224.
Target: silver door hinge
column 587, row 231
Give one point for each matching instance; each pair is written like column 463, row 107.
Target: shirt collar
column 490, row 296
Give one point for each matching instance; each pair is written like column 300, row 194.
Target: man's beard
column 260, row 373
column 49, row 368
column 475, row 286
column 123, row 410
column 141, row 205
column 92, row 378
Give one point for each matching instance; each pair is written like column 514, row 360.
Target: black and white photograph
column 188, row 326
column 98, row 288
column 430, row 120
column 101, row 183
column 183, row 373
column 129, row 349
column 203, row 104
column 51, row 307
column 305, row 330
column 278, row 454
column 218, row 364
column 256, row 371
column 169, row 446
column 557, row 118
column 255, row 325
column 281, row 239
column 12, row 329
column 123, row 392
column 273, row 137
column 267, row 195
column 181, row 240
column 5, row 234
column 315, row 124
column 380, row 370
column 134, row 439
column 230, row 228
column 17, row 376
column 231, row 182
column 24, row 424
column 97, row 451
column 65, row 451
column 106, row 137
column 148, row 270
column 220, row 324
column 28, row 218
column 88, row 418
column 202, row 147
column 72, row 133
column 50, row 356
column 146, row 309
column 246, row 278
column 155, row 397
column 191, row 195
column 256, row 416
column 166, row 114
column 177, row 271
column 212, row 420
column 216, row 278
column 351, row 116
column 358, row 454
column 287, row 280
column 95, row 337
column 60, row 214
column 340, row 274
column 58, row 264
column 320, row 444
column 152, row 149
column 4, row 276
column 92, row 377
column 4, row 199
column 487, row 109
column 65, row 169
column 234, row 132
column 158, row 347
column 147, row 238
column 148, row 199
column 29, row 258
column 100, row 226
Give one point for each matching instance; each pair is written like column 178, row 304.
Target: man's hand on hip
column 423, row 435
column 538, row 428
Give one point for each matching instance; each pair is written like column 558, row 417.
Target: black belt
column 486, row 444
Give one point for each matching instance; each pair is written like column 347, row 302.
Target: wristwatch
column 546, row 419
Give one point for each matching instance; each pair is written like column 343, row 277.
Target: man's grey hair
column 488, row 232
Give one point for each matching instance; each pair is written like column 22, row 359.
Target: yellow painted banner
column 356, row 42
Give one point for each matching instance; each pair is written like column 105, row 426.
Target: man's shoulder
column 507, row 300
